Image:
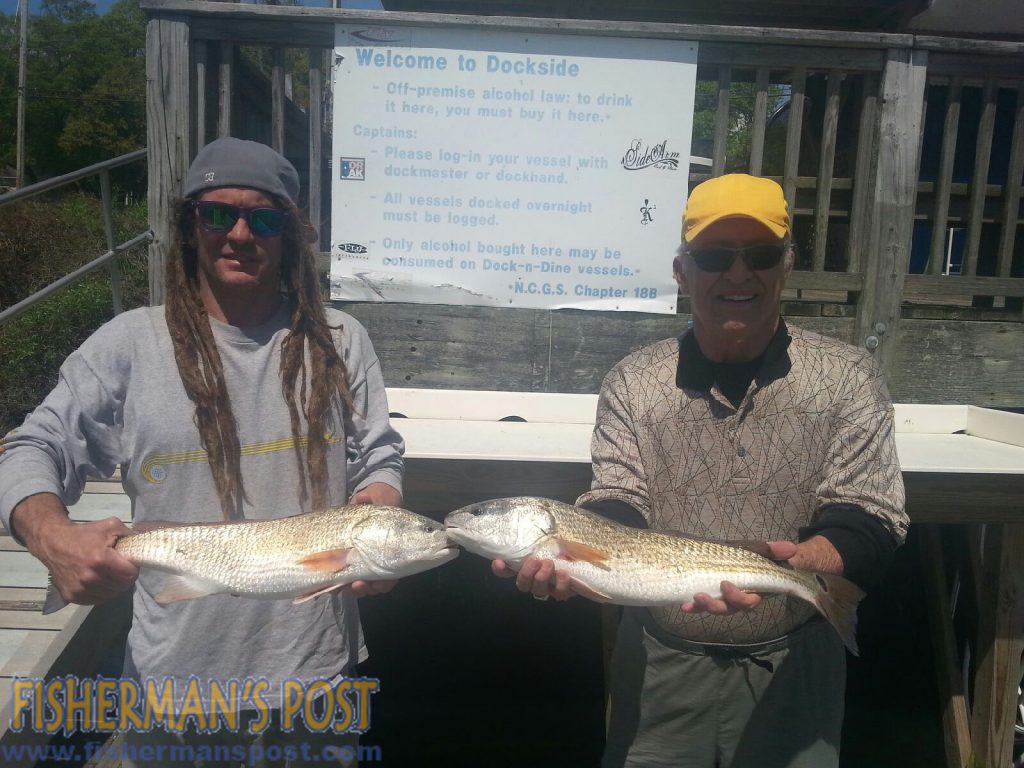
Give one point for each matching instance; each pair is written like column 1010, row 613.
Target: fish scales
column 610, row 562
column 650, row 568
column 301, row 556
column 252, row 557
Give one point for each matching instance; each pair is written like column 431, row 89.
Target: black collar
column 695, row 371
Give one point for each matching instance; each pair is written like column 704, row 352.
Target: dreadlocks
column 312, row 371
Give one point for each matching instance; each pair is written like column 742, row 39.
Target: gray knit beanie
column 231, row 162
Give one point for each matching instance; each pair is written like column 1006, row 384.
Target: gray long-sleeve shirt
column 120, row 401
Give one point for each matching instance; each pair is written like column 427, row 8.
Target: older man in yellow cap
column 742, row 428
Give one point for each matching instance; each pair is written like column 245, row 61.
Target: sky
column 11, row 6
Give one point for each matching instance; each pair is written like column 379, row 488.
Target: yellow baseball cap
column 735, row 195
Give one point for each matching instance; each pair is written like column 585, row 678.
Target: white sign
column 508, row 169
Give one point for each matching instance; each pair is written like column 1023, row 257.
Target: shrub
column 40, row 241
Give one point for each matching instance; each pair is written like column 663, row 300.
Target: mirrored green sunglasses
column 222, row 217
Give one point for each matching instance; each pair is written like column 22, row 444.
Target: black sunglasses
column 222, row 217
column 719, row 259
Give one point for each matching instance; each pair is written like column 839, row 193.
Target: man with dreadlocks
column 241, row 398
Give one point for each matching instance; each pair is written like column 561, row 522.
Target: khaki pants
column 677, row 709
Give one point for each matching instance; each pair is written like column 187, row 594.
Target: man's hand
column 815, row 554
column 381, row 494
column 538, row 577
column 84, row 566
column 367, row 588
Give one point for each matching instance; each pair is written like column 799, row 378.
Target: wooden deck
column 36, row 646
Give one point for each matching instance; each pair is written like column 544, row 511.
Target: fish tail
column 837, row 600
column 54, row 602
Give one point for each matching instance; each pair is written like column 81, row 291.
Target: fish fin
column 575, row 550
column 589, row 592
column 330, row 561
column 326, row 590
column 837, row 601
column 177, row 588
column 54, row 602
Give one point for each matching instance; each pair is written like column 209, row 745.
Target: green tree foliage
column 85, row 98
column 742, row 96
column 8, row 89
column 41, row 241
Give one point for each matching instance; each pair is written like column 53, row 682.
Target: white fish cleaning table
column 961, row 465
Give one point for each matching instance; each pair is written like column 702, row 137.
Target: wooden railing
column 114, row 251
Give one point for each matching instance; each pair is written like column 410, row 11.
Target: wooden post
column 277, row 101
column 1012, row 190
column 979, row 181
column 864, row 176
column 199, row 54
column 956, row 728
column 937, row 258
column 1000, row 644
column 108, row 231
column 825, row 169
column 761, row 87
column 899, row 137
column 794, row 132
column 316, row 84
column 225, row 92
column 167, row 134
column 19, row 173
column 721, row 121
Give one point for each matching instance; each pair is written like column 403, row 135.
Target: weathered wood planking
column 1012, row 193
column 31, row 620
column 1000, row 645
column 97, row 506
column 901, row 98
column 314, row 26
column 939, row 361
column 277, row 100
column 955, row 718
column 10, row 639
column 760, row 119
column 944, row 361
column 316, row 159
column 225, row 87
column 20, row 569
column 199, row 55
column 786, row 56
column 979, row 180
column 167, row 133
column 518, row 350
column 937, row 257
column 794, row 124
column 958, row 285
column 22, row 598
column 81, row 646
column 862, row 201
column 721, row 120
column 825, row 169
column 75, row 640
